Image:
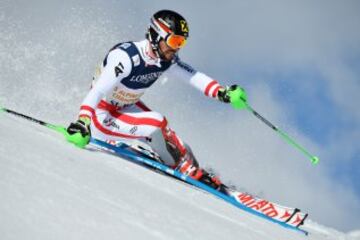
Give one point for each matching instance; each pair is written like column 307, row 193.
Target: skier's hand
column 79, row 132
column 235, row 95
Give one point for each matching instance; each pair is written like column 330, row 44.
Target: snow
column 53, row 190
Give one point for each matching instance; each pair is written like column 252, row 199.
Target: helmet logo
column 184, row 26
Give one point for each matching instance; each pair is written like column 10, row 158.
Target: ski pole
column 239, row 101
column 289, row 140
column 57, row 128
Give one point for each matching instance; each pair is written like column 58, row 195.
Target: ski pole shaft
column 56, row 128
column 286, row 137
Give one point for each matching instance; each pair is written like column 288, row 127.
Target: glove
column 79, row 132
column 235, row 95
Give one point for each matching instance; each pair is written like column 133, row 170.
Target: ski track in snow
column 52, row 190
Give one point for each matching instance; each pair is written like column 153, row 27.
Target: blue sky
column 319, row 118
column 298, row 60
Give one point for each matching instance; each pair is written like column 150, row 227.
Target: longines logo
column 146, row 78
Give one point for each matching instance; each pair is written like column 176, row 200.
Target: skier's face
column 167, row 52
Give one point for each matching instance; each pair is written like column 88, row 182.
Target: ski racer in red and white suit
column 114, row 103
column 112, row 110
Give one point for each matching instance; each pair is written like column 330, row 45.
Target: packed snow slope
column 53, row 190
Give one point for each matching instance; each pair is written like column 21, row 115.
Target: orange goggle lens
column 175, row 41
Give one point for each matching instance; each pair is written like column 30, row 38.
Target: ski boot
column 185, row 161
column 191, row 168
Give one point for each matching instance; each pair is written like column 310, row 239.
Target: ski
column 291, row 218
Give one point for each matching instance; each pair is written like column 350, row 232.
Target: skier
column 113, row 111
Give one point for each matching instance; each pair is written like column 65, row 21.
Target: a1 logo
column 119, row 69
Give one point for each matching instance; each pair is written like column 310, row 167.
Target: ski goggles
column 175, row 41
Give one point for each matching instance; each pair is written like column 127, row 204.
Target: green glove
column 235, row 95
column 78, row 132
